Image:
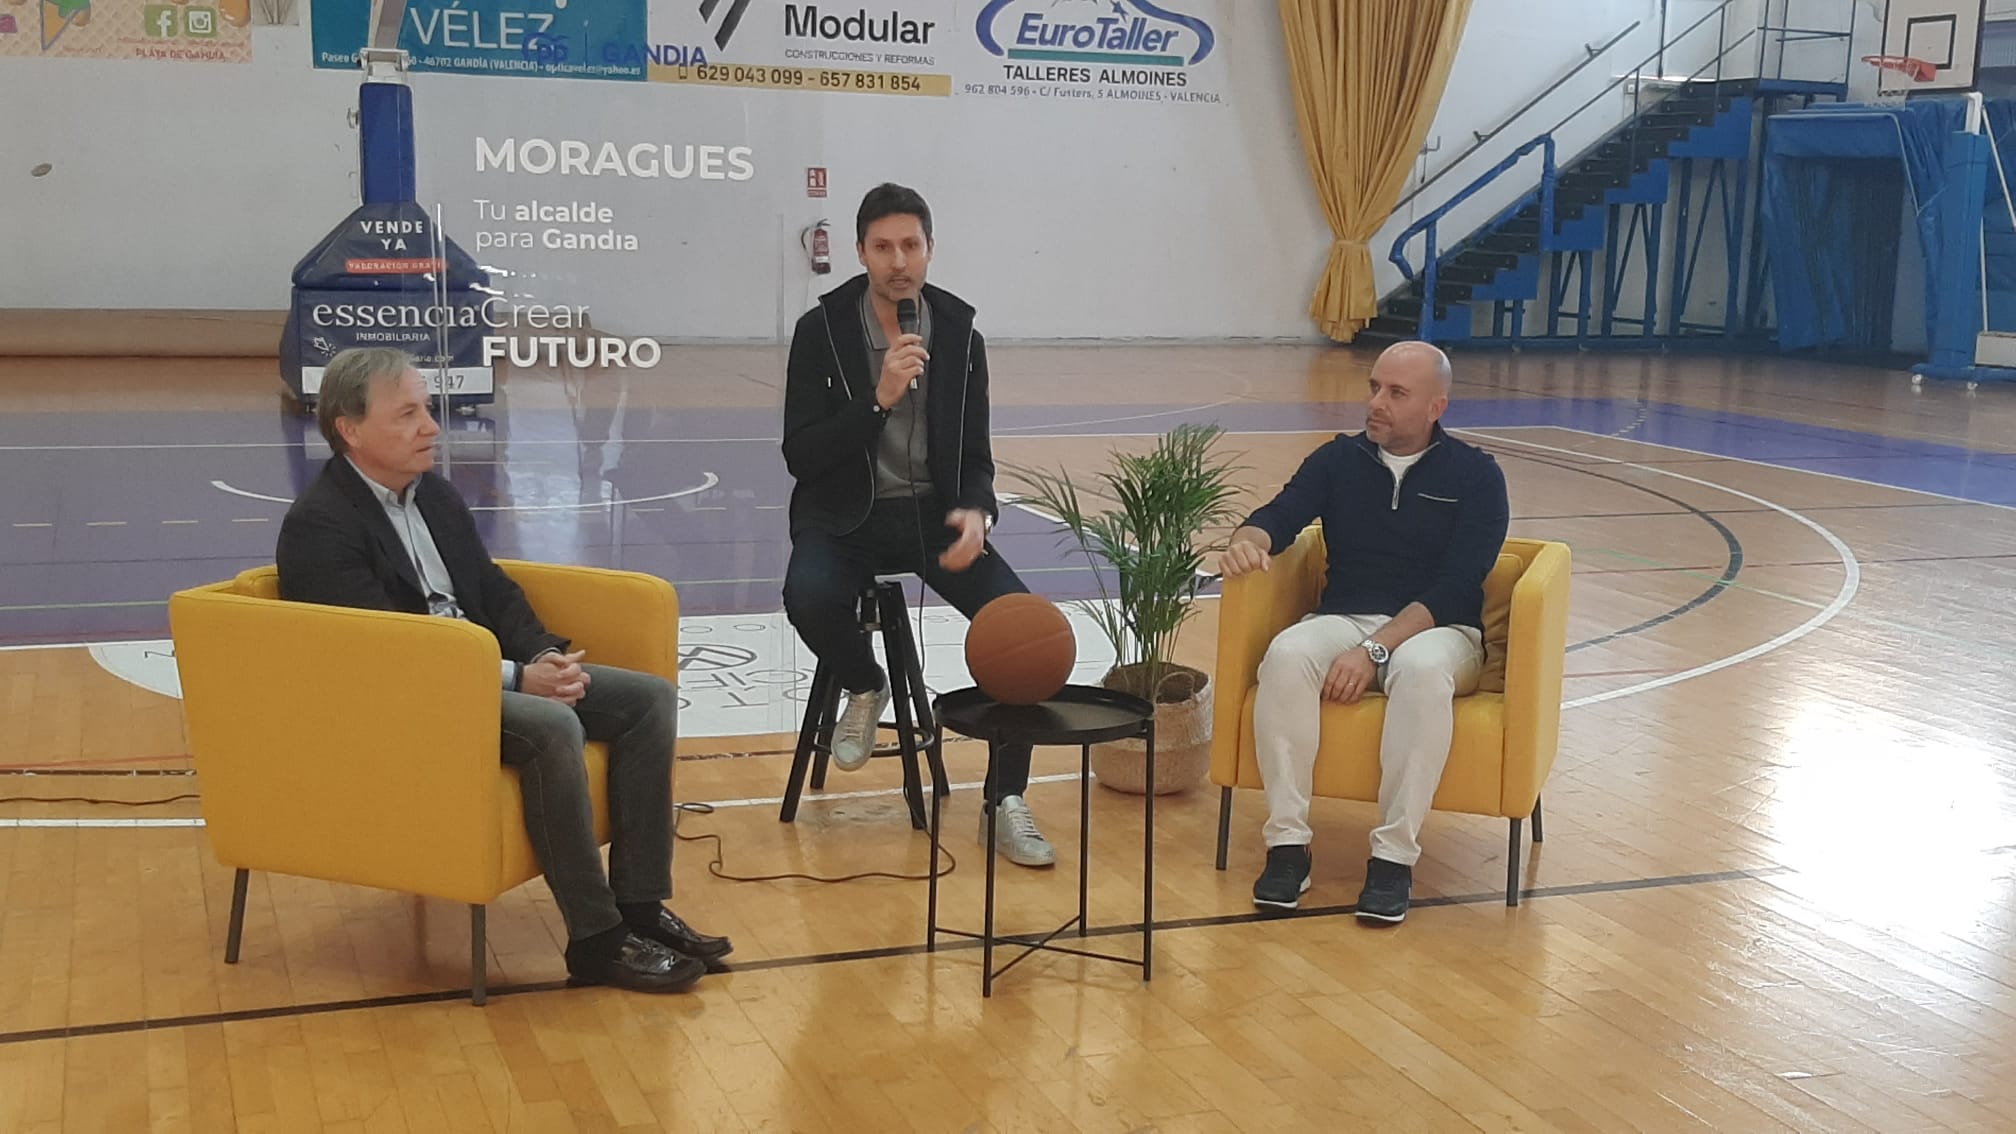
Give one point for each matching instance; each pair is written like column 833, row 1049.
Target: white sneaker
column 1015, row 834
column 854, row 734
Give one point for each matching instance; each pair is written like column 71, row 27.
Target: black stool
column 916, row 731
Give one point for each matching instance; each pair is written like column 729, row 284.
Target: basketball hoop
column 1910, row 73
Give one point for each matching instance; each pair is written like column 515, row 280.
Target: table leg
column 987, row 938
column 937, row 815
column 1084, row 830
column 1148, row 859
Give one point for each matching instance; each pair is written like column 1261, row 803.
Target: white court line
column 717, row 804
column 1018, row 429
column 39, row 822
column 1850, row 583
column 708, row 481
column 810, row 796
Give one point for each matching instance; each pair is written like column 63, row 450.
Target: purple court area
column 106, row 514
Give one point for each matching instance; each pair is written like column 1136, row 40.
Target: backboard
column 1945, row 33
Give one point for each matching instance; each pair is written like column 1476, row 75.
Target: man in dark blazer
column 379, row 530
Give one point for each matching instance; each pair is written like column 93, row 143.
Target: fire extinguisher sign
column 815, row 181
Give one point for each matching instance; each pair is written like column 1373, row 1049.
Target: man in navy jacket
column 1413, row 521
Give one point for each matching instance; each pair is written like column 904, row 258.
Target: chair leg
column 1537, row 836
column 808, row 741
column 820, row 756
column 906, row 745
column 479, row 957
column 898, row 617
column 1224, row 823
column 237, row 931
column 1512, row 867
column 899, row 656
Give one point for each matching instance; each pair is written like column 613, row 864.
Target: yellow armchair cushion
column 1506, row 733
column 318, row 760
column 1347, row 765
column 1498, row 620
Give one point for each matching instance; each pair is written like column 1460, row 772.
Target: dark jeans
column 822, row 597
column 637, row 714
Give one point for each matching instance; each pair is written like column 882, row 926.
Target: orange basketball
column 1020, row 649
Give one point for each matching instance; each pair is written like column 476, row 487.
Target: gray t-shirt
column 902, row 454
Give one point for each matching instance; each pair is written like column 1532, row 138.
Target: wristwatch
column 1379, row 653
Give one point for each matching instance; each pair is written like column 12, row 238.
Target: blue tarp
column 1833, row 180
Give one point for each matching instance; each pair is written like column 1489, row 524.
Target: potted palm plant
column 1145, row 556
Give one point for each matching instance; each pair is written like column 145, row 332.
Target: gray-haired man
column 379, row 530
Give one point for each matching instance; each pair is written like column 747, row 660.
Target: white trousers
column 1420, row 681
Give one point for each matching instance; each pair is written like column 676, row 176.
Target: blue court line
column 1951, row 470
column 1975, row 475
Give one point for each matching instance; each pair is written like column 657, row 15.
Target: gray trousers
column 637, row 715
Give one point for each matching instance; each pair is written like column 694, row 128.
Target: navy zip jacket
column 1431, row 539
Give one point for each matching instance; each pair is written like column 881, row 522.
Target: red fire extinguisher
column 819, row 247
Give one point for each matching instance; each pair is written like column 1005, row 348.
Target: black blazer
column 831, row 421
column 337, row 548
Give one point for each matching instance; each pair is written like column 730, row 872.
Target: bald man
column 1413, row 521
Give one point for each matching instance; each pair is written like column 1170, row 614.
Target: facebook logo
column 161, row 21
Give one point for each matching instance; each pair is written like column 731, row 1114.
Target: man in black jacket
column 1413, row 521
column 885, row 433
column 380, row 531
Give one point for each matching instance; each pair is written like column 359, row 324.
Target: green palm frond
column 1164, row 500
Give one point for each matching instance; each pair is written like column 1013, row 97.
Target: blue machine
column 386, row 276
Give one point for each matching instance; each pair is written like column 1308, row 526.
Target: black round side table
column 1080, row 715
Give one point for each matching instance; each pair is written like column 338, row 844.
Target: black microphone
column 906, row 322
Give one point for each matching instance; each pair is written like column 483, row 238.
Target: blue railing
column 1590, row 55
column 1635, row 76
column 1427, row 224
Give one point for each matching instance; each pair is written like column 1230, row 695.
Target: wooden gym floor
column 1776, row 892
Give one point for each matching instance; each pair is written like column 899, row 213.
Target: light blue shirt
column 404, row 511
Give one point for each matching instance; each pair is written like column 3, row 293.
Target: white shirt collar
column 386, row 496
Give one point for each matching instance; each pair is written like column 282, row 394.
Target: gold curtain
column 1367, row 78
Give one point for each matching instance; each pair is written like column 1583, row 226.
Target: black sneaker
column 1387, row 885
column 1286, row 878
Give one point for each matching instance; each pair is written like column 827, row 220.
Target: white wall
column 199, row 186
column 173, row 185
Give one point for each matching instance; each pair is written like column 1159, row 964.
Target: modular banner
column 900, row 49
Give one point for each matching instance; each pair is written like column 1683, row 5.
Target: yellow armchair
column 1506, row 732
column 362, row 746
